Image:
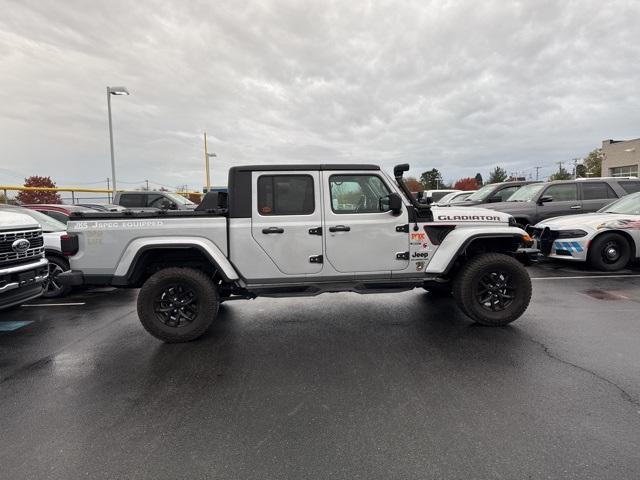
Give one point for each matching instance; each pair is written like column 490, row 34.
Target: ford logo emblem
column 21, row 245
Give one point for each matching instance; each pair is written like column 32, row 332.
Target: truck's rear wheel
column 177, row 304
column 493, row 289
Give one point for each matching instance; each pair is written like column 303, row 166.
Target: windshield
column 447, row 198
column 629, row 205
column 47, row 223
column 483, row 193
column 526, row 193
column 179, row 198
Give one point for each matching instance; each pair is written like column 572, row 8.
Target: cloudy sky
column 457, row 85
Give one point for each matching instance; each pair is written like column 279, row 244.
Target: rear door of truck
column 287, row 219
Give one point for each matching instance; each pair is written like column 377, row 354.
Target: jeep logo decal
column 20, row 245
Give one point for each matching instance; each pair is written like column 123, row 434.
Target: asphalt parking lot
column 336, row 386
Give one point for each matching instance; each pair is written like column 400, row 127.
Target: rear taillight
column 69, row 245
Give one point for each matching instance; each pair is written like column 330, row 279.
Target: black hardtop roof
column 303, row 167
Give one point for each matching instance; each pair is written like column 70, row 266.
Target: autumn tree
column 468, row 183
column 413, row 184
column 38, row 196
column 593, row 163
column 431, row 179
column 497, row 175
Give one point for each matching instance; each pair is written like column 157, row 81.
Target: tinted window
column 356, row 193
column 435, row 196
column 506, row 192
column 132, row 199
column 563, row 192
column 285, row 195
column 597, row 191
column 61, row 217
column 630, row 187
column 156, row 200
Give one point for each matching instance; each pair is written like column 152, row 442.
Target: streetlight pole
column 207, row 155
column 113, row 91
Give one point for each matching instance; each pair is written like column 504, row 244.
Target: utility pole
column 108, row 194
column 147, row 182
column 207, row 155
column 537, row 171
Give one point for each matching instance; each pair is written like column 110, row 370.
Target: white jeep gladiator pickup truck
column 291, row 230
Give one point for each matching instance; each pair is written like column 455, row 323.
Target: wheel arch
column 150, row 257
column 486, row 242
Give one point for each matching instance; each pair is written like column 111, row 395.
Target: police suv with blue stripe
column 607, row 239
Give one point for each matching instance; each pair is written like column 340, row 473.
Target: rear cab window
column 285, row 195
column 133, row 199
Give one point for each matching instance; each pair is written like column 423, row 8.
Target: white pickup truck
column 291, row 230
column 23, row 268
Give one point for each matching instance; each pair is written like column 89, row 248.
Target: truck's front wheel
column 493, row 289
column 177, row 304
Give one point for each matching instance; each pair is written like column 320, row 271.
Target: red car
column 58, row 211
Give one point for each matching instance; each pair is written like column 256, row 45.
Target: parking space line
column 584, row 277
column 53, row 304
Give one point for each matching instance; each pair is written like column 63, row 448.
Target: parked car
column 58, row 212
column 454, row 197
column 292, row 230
column 492, row 193
column 23, row 268
column 607, row 240
column 52, row 233
column 432, row 196
column 534, row 203
column 153, row 199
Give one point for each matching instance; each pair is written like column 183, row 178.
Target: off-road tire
column 199, row 302
column 599, row 252
column 469, row 289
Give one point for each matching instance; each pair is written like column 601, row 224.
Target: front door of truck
column 359, row 238
column 287, row 209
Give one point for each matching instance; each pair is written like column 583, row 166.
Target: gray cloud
column 461, row 86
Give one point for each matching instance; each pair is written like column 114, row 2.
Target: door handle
column 339, row 228
column 576, row 207
column 272, row 230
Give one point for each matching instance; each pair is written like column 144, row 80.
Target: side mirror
column 545, row 199
column 391, row 203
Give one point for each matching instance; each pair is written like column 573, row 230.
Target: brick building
column 621, row 158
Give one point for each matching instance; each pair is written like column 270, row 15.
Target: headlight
column 572, row 233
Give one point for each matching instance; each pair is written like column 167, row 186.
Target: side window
column 630, row 187
column 356, row 193
column 155, row 200
column 507, row 192
column 132, row 199
column 285, row 195
column 563, row 192
column 597, row 191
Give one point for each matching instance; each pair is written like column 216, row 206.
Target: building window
column 628, row 171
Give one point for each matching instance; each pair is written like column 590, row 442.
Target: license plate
column 26, row 276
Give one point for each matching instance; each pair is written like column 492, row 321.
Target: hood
column 9, row 220
column 458, row 214
column 582, row 220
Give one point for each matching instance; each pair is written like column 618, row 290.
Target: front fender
column 206, row 246
column 459, row 239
